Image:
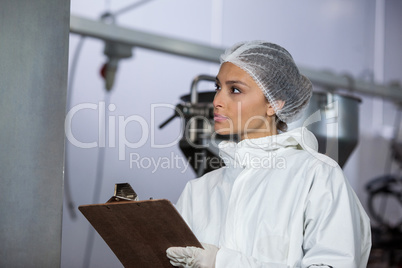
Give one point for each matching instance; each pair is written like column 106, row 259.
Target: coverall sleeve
column 336, row 228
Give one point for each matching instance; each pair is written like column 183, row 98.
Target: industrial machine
column 385, row 206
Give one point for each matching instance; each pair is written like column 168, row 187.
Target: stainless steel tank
column 334, row 120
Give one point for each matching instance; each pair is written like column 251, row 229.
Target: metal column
column 33, row 81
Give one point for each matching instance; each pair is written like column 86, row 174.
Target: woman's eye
column 217, row 87
column 235, row 91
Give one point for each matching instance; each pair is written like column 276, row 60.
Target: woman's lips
column 220, row 118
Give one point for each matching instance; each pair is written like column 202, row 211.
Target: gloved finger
column 178, row 264
column 182, row 257
column 178, row 259
column 178, row 252
column 183, row 262
column 175, row 252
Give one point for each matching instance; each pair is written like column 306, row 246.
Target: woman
column 277, row 202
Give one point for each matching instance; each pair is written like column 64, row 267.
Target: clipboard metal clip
column 123, row 192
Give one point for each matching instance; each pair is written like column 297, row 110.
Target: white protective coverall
column 278, row 203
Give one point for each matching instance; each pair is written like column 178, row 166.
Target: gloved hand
column 193, row 257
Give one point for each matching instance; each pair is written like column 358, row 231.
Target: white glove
column 193, row 257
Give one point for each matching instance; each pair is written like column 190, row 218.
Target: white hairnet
column 274, row 70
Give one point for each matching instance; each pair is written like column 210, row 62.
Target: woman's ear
column 271, row 110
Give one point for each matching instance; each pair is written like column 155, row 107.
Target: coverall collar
column 253, row 152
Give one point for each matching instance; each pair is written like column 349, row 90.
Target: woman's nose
column 218, row 99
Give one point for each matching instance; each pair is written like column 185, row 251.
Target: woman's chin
column 222, row 131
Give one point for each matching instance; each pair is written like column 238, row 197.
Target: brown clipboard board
column 139, row 232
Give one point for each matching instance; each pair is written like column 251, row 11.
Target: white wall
column 333, row 35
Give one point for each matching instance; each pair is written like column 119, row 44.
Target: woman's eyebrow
column 231, row 82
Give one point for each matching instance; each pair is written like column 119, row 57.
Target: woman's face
column 240, row 107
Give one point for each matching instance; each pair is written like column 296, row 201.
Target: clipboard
column 139, row 232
